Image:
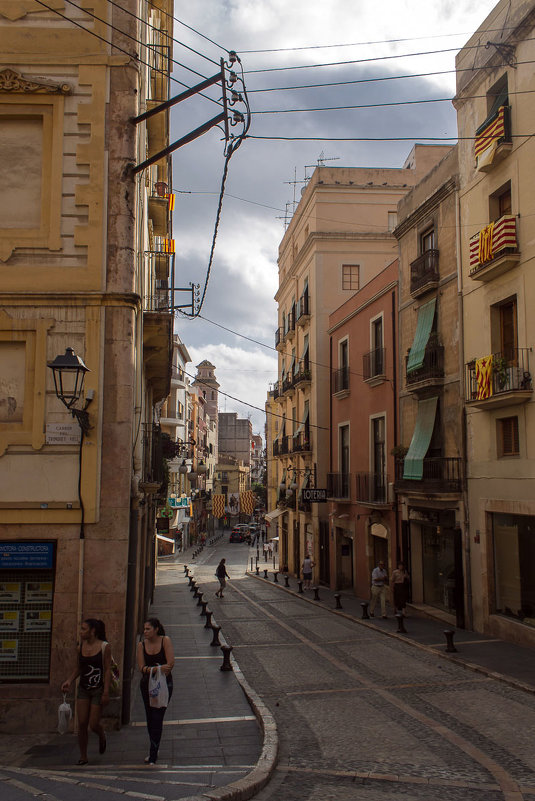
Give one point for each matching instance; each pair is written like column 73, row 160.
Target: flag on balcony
column 218, row 506
column 488, row 243
column 484, row 377
column 171, row 199
column 247, row 502
column 487, row 139
column 485, row 243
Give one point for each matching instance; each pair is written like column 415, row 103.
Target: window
column 376, row 361
column 507, row 435
column 350, row 276
column 344, row 449
column 392, row 220
column 508, row 332
column 378, row 445
column 500, row 202
column 343, row 355
column 427, row 240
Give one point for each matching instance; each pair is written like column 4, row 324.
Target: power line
column 418, row 138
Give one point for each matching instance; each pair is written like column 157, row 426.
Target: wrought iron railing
column 372, row 488
column 302, row 307
column 498, row 373
column 440, row 474
column 301, row 442
column 340, row 380
column 339, row 486
column 424, row 269
column 373, row 363
column 433, row 366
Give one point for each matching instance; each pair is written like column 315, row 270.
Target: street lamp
column 69, row 374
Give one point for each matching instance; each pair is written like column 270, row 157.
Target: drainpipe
column 466, row 522
column 129, row 635
column 395, row 418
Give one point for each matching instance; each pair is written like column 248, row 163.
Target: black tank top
column 155, row 659
column 91, row 670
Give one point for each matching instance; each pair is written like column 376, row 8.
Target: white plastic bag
column 158, row 690
column 64, row 716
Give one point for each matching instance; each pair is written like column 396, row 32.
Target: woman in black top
column 155, row 649
column 94, row 669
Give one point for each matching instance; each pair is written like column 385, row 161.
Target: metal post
column 300, row 587
column 316, row 593
column 265, row 573
column 401, row 626
column 450, row 648
column 204, row 604
column 208, row 624
column 275, row 579
column 337, row 599
column 215, row 639
column 226, row 657
column 199, row 597
column 286, row 581
column 365, row 615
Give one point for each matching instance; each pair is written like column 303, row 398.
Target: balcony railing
column 304, row 373
column 494, row 248
column 281, row 446
column 432, row 368
column 302, row 310
column 424, row 272
column 339, row 486
column 278, row 337
column 373, row 363
column 301, row 442
column 498, row 377
column 290, row 325
column 277, row 390
column 372, row 489
column 340, row 380
column 440, row 474
column 288, row 383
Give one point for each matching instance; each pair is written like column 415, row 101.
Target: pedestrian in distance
column 94, row 669
column 222, row 575
column 154, row 649
column 307, row 567
column 400, row 587
column 379, row 588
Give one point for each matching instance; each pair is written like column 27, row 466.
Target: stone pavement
column 510, row 663
column 218, row 740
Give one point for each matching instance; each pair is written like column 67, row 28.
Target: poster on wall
column 10, row 591
column 38, row 591
column 38, row 620
column 9, row 620
column 233, row 503
column 9, row 650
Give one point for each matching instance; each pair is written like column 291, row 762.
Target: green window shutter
column 423, row 431
column 426, row 315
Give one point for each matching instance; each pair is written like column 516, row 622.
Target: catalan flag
column 484, row 377
column 171, row 199
column 487, row 140
column 218, row 506
column 247, row 502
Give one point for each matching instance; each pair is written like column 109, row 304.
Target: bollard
column 257, row 570
column 190, row 579
column 251, row 564
column 275, row 579
column 208, row 624
column 204, row 604
column 300, row 586
column 200, row 597
column 286, row 581
column 265, row 574
column 401, row 625
column 186, row 569
column 365, row 615
column 215, row 638
column 316, row 593
column 226, row 657
column 337, row 599
column 196, row 591
column 193, row 586
column 450, row 648
column 265, row 556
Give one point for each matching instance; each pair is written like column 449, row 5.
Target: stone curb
column 491, row 674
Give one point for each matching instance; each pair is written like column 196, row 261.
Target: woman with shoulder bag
column 154, row 650
column 94, row 669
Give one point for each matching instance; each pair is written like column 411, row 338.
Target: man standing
column 379, row 585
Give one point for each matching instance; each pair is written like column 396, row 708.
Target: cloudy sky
column 381, row 40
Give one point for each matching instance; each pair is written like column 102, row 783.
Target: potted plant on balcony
column 500, row 369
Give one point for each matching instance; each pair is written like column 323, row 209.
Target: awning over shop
column 423, row 431
column 426, row 315
column 166, row 539
column 270, row 516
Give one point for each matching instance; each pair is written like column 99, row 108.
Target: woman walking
column 307, row 567
column 222, row 575
column 155, row 649
column 400, row 587
column 94, row 669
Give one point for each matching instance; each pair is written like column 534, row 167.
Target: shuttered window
column 508, row 444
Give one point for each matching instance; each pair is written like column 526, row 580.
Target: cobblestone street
column 362, row 715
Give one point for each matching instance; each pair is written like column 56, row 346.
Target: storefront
column 514, row 566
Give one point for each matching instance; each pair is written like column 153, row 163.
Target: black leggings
column 154, row 717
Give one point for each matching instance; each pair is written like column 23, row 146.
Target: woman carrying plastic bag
column 155, row 659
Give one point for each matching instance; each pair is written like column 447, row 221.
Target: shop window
column 507, row 435
column 514, row 566
column 350, row 276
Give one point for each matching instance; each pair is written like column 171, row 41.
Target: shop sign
column 62, row 434
column 9, row 620
column 9, row 650
column 315, row 495
column 37, row 620
column 26, row 555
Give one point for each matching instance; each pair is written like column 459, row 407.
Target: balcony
column 161, row 257
column 279, row 339
column 424, row 273
column 303, row 376
column 302, row 311
column 301, row 442
column 493, row 140
column 372, row 489
column 494, row 249
column 290, row 326
column 278, row 394
column 441, row 474
column 158, row 197
column 339, row 486
column 288, row 385
column 501, row 379
column 373, row 366
column 158, row 351
column 281, row 446
column 431, row 373
column 340, row 382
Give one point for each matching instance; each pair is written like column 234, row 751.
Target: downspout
column 466, row 522
column 395, row 419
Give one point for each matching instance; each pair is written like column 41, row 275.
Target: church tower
column 207, row 384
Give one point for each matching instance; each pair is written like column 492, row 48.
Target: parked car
column 237, row 535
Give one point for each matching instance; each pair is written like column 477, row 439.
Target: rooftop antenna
column 322, row 158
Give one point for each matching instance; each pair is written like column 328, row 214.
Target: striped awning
column 426, row 315
column 423, row 431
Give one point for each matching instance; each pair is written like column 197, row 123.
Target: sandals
column 82, row 762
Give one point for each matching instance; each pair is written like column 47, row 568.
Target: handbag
column 64, row 716
column 158, row 690
column 115, row 680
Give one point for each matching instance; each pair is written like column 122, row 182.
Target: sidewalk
column 507, row 662
column 219, row 740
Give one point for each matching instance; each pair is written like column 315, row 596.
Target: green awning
column 426, row 315
column 423, row 431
